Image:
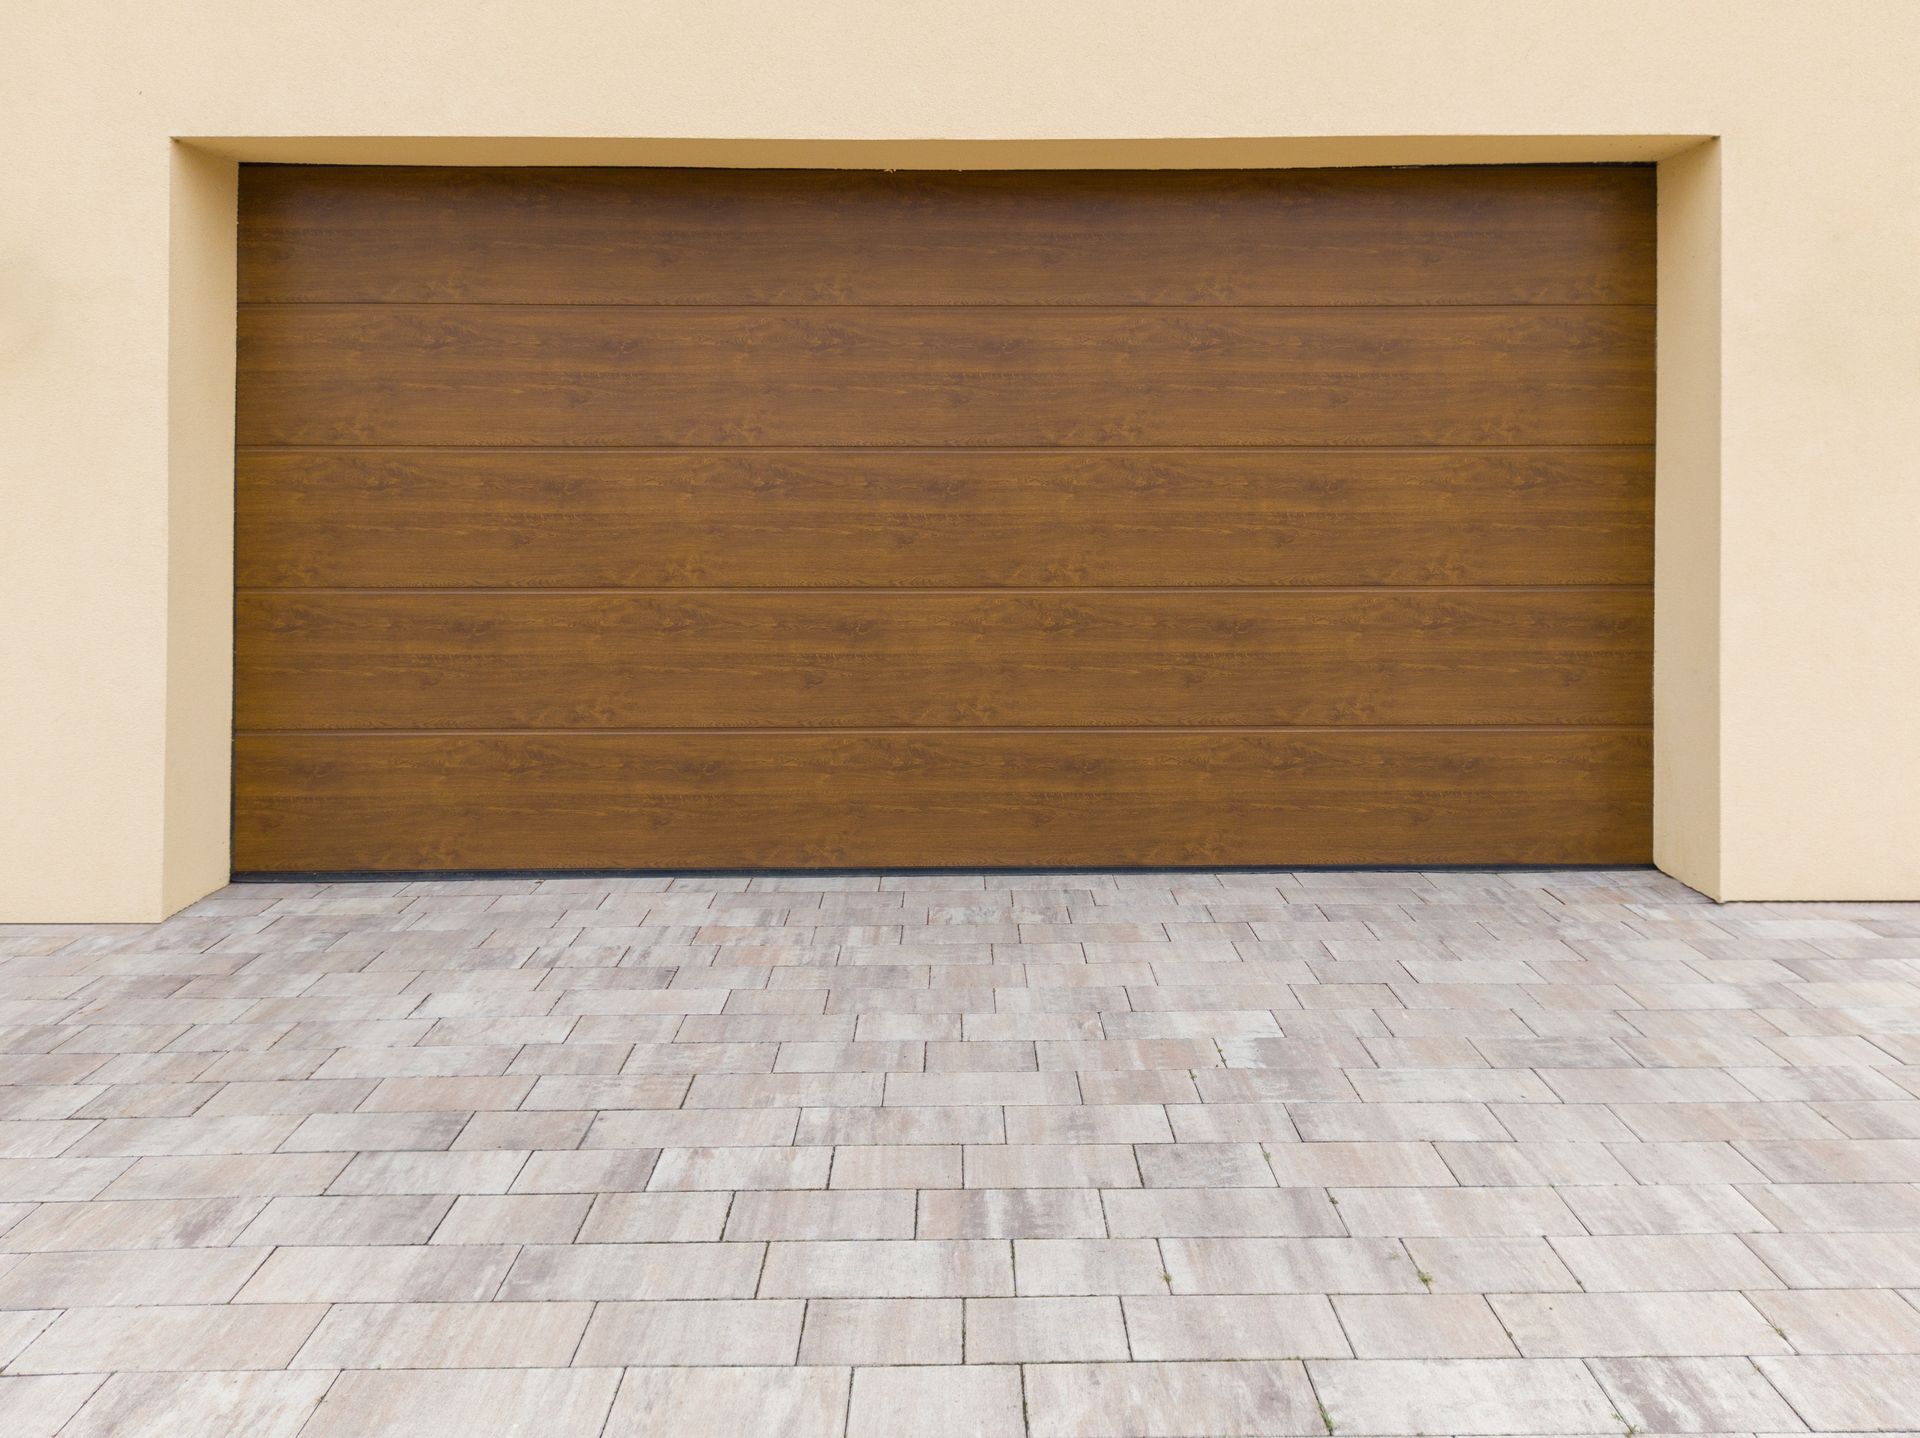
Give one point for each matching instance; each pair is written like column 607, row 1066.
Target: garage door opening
column 675, row 519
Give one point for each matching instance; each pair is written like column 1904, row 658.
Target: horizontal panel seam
column 1624, row 446
column 982, row 306
column 791, row 731
column 936, row 591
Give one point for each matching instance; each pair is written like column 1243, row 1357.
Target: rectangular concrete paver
column 328, row 1220
column 1845, row 1320
column 1628, row 1325
column 378, row 1274
column 805, row 1402
column 467, row 1403
column 261, row 1405
column 20, row 1327
column 39, row 1407
column 446, row 1335
column 1287, row 1265
column 212, row 1338
column 944, row 1402
column 1694, row 1395
column 600, row 1271
column 1088, row 1266
column 1242, row 1326
column 929, row 1268
column 1434, row 1325
column 1850, row 1393
column 106, row 1278
column 882, row 1331
column 1169, row 1400
column 1044, row 1330
column 489, row 1219
column 690, row 1332
column 1463, row 1396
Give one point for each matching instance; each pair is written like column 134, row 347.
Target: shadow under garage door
column 599, row 518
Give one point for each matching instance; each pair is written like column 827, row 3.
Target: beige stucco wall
column 1788, row 672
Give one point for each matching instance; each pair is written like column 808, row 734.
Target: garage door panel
column 1466, row 796
column 423, row 660
column 722, row 519
column 944, row 519
column 1481, row 235
column 572, row 375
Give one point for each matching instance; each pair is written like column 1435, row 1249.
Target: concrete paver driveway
column 1167, row 1154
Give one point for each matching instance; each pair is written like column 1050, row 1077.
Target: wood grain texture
column 667, row 519
column 941, row 375
column 1465, row 796
column 879, row 659
column 946, row 519
column 1446, row 235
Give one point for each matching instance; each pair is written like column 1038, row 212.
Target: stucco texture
column 1788, row 589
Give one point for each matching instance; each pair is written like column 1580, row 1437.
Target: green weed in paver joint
column 1326, row 1418
column 1425, row 1278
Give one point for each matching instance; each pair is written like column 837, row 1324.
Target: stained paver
column 1054, row 1154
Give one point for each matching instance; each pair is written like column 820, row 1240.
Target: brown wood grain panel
column 801, row 519
column 970, row 800
column 876, row 659
column 1443, row 235
column 946, row 519
column 505, row 375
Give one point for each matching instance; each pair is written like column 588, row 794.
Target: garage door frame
column 1686, row 719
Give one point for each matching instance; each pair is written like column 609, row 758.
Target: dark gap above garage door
column 733, row 519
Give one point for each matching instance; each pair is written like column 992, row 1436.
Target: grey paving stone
column 261, row 1405
column 1694, row 1395
column 1044, row 1330
column 922, row 1268
column 120, row 1224
column 351, row 1221
column 1010, row 1213
column 939, row 1402
column 1463, row 1396
column 1849, row 1393
column 1843, row 1320
column 1245, row 1326
column 1220, row 1213
column 1549, row 1325
column 882, row 1331
column 190, row 1338
column 446, row 1335
column 110, row 1279
column 1663, row 1263
column 806, row 1402
column 469, row 1403
column 597, row 1271
column 397, row 1274
column 1428, row 1325
column 488, row 1218
column 39, row 1407
column 1169, row 1400
column 1288, row 1265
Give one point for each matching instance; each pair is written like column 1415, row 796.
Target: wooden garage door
column 689, row 519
